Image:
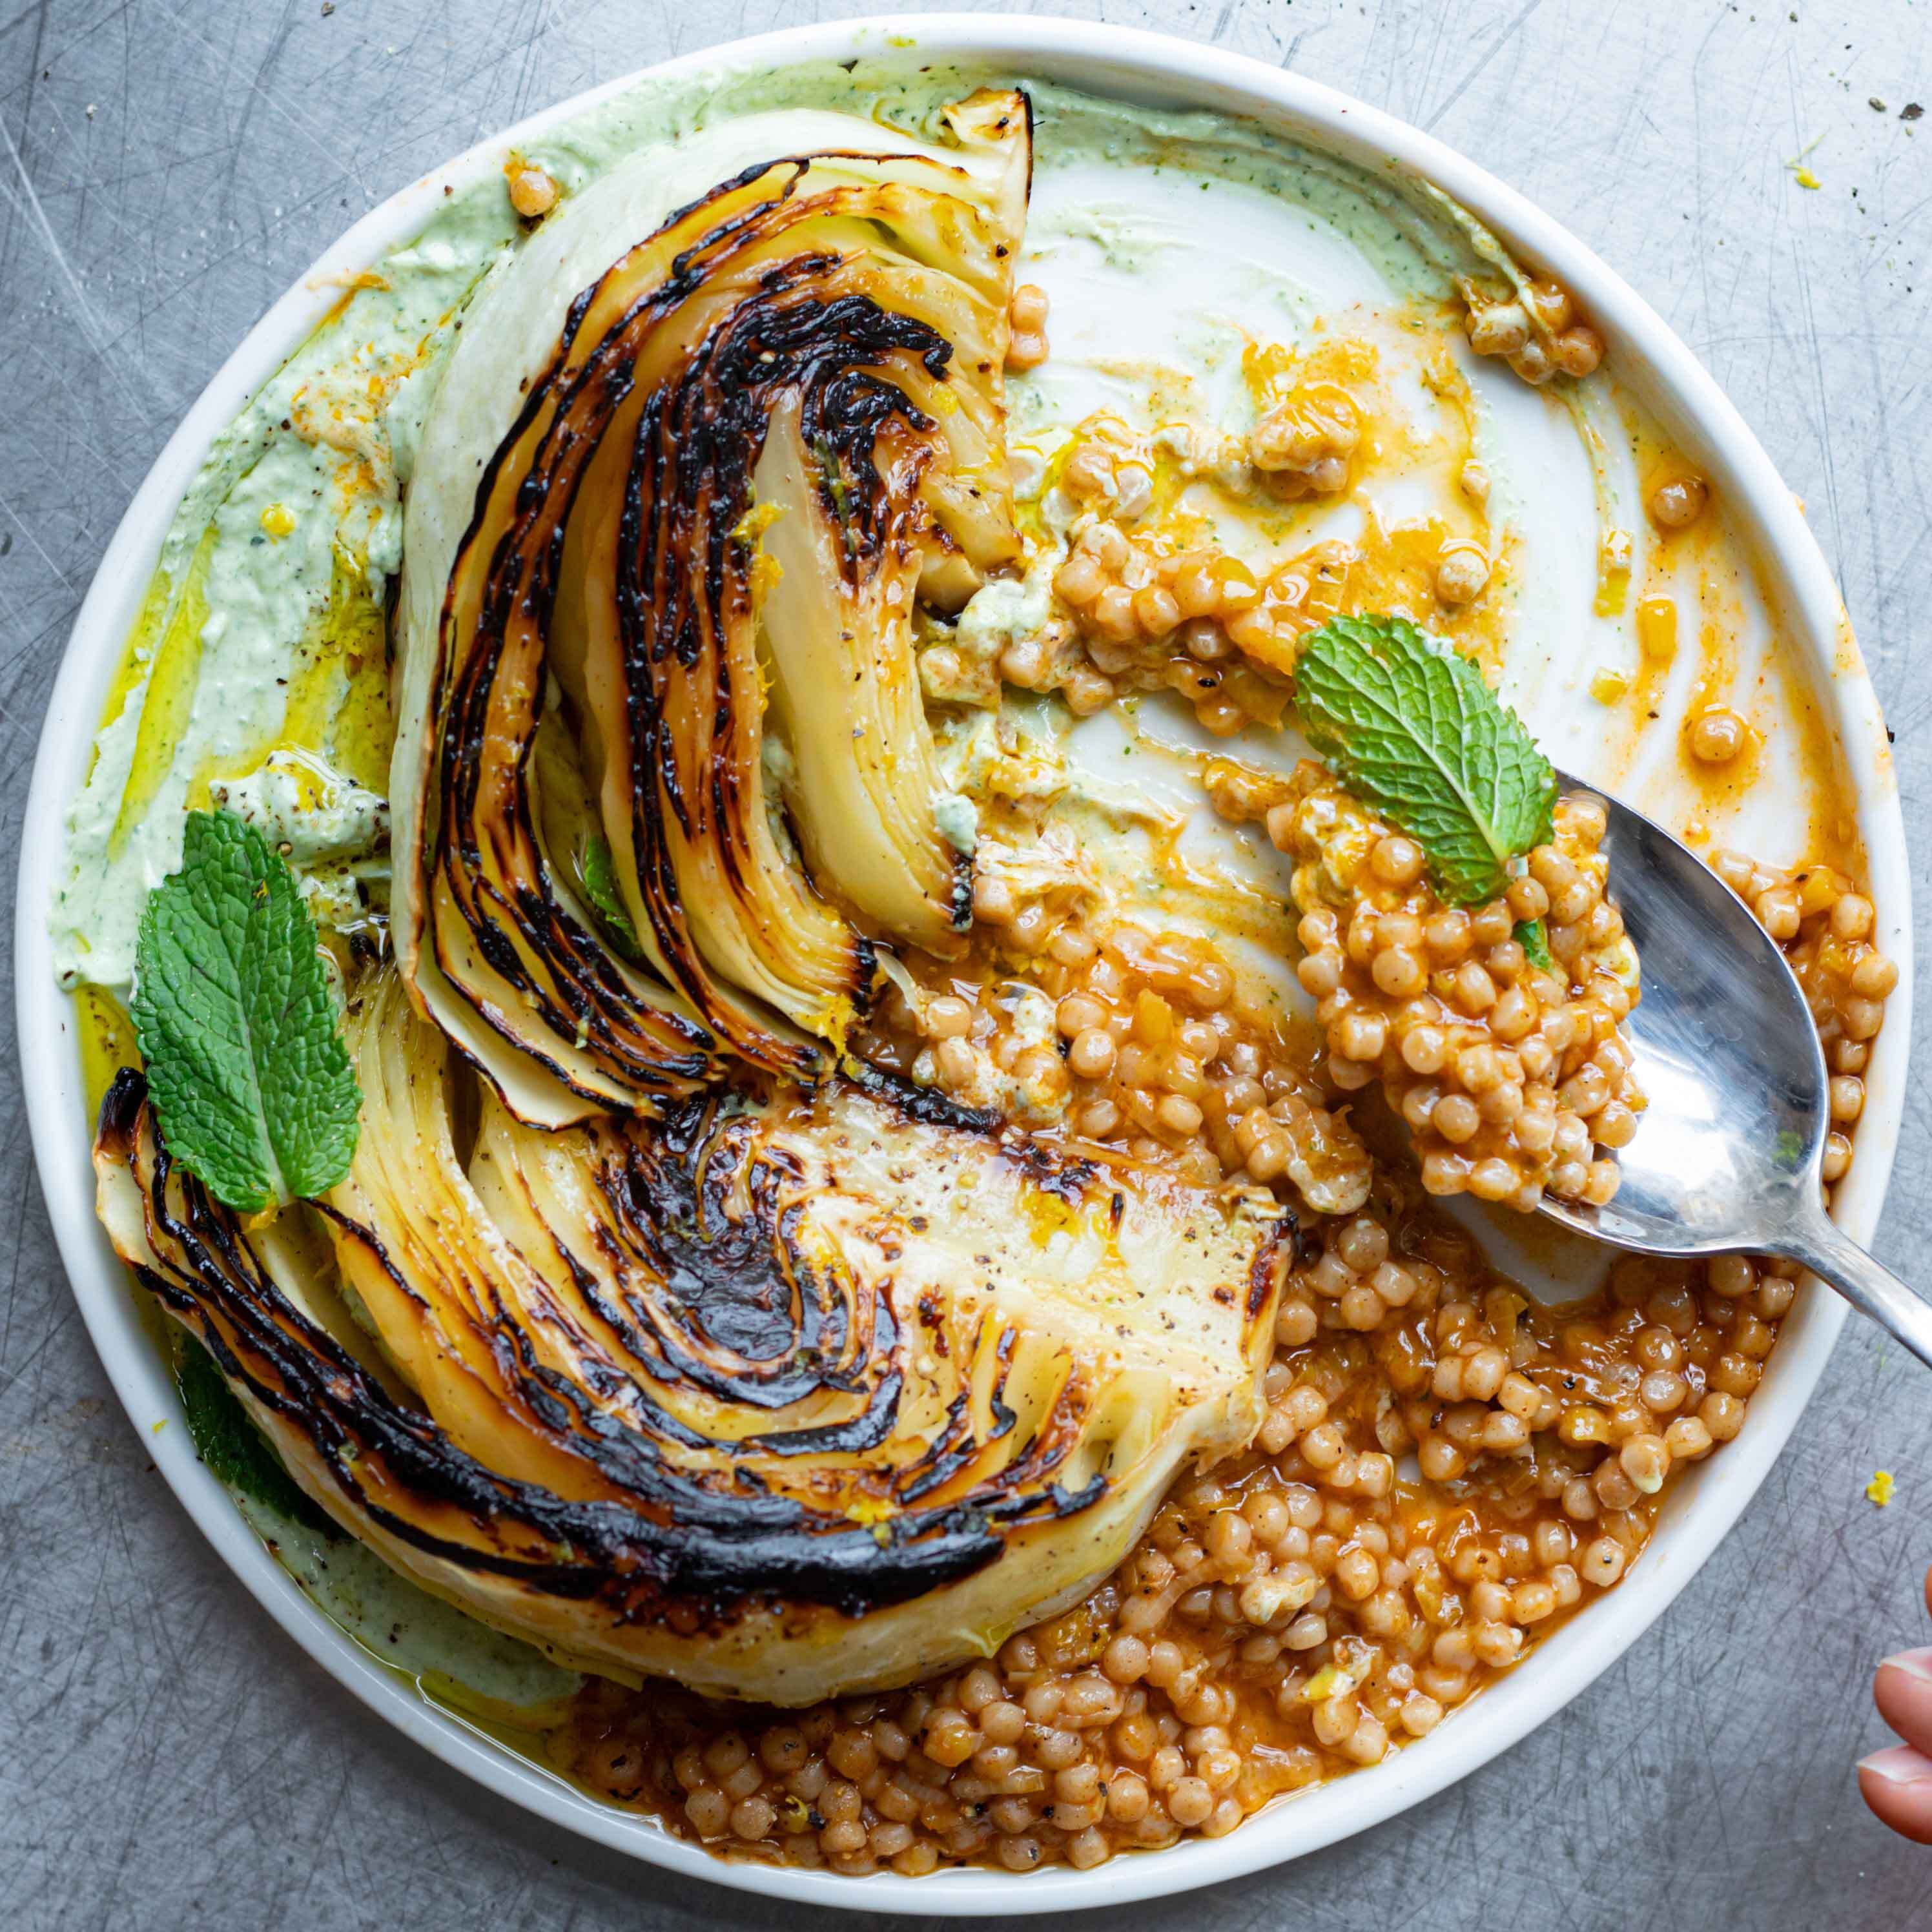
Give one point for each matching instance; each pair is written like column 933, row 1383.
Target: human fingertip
column 1898, row 1764
column 1917, row 1664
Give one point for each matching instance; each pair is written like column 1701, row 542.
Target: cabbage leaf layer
column 648, row 1325
column 782, row 1396
column 688, row 576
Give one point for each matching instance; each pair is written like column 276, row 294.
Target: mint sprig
column 236, row 1023
column 1411, row 729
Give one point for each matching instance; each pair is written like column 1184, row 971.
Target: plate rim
column 1671, row 380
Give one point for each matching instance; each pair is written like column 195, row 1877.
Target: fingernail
column 1899, row 1764
column 1914, row 1662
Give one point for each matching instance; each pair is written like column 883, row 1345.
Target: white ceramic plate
column 1645, row 355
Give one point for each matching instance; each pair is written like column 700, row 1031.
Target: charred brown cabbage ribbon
column 779, row 1396
column 663, row 1344
column 680, row 621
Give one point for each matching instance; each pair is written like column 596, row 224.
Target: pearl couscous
column 1140, row 917
column 1447, row 1470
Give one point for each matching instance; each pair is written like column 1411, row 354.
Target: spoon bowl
column 1728, row 1154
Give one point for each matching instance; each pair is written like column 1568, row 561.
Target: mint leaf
column 226, row 1438
column 232, row 1009
column 1411, row 729
column 600, row 887
column 1534, row 938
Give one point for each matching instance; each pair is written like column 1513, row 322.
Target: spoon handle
column 1874, row 1290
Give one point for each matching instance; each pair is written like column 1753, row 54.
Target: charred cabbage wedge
column 645, row 1325
column 783, row 1397
column 700, row 487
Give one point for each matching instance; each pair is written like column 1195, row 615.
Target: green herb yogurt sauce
column 238, row 608
column 239, row 687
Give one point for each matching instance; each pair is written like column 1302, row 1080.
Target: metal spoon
column 1726, row 1157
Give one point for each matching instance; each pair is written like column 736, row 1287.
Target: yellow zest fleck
column 1806, row 178
column 752, row 526
column 1880, row 1489
column 1796, row 165
column 278, row 519
column 834, row 1022
column 158, row 1427
column 1607, row 686
column 875, row 1513
column 766, row 572
column 1047, row 1215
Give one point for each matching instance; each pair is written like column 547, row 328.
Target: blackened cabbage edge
column 779, row 1395
column 763, row 429
column 647, row 1326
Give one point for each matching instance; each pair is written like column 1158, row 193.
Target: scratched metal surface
column 166, row 1756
